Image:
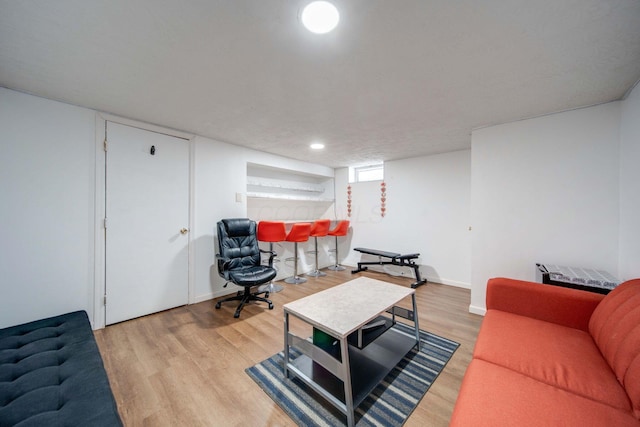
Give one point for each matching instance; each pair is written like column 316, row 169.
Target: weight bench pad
column 377, row 252
column 51, row 373
column 391, row 255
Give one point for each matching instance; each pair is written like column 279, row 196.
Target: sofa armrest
column 564, row 306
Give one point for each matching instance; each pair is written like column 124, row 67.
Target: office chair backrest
column 237, row 241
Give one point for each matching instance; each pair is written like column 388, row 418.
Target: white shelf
column 282, row 196
column 309, row 188
column 279, row 193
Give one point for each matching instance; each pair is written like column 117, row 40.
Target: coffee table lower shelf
column 368, row 367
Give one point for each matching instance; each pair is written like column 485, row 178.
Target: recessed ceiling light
column 317, row 146
column 320, row 17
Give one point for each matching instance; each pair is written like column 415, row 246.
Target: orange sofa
column 552, row 356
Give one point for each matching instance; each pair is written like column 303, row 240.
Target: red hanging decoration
column 349, row 200
column 383, row 198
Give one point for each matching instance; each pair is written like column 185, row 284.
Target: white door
column 147, row 220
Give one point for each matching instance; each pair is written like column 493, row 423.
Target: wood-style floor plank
column 185, row 366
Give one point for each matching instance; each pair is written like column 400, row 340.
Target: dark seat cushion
column 252, row 276
column 51, row 373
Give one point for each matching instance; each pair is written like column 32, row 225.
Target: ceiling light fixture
column 320, row 17
column 317, row 146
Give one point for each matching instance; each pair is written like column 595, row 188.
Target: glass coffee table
column 354, row 345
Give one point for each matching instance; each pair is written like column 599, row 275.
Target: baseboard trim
column 448, row 282
column 203, row 298
column 212, row 295
column 398, row 271
column 474, row 309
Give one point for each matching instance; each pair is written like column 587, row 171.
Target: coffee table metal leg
column 348, row 391
column 415, row 320
column 286, row 344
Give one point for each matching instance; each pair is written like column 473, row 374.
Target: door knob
column 184, row 231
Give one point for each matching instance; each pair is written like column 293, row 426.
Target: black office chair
column 239, row 261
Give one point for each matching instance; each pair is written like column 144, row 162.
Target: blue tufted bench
column 51, row 374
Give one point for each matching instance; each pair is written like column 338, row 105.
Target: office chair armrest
column 223, row 262
column 271, row 257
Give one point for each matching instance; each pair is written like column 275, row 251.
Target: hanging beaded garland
column 348, row 200
column 383, row 198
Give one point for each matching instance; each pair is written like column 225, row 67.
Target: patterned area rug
column 390, row 404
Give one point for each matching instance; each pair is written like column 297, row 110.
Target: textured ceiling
column 396, row 79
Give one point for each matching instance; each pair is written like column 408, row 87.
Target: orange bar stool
column 299, row 233
column 341, row 229
column 272, row 232
column 320, row 228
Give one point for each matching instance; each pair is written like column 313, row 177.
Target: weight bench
column 394, row 259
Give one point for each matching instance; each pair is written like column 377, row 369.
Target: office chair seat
column 252, row 276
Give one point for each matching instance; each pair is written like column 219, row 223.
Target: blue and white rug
column 390, row 404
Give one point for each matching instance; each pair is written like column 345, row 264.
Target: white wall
column 220, row 173
column 48, row 182
column 544, row 190
column 47, row 211
column 630, row 187
column 560, row 189
column 427, row 212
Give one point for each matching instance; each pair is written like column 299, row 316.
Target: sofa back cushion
column 615, row 328
column 632, row 385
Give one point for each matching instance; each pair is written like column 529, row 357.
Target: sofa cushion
column 51, row 374
column 492, row 395
column 615, row 327
column 555, row 304
column 553, row 354
column 632, row 385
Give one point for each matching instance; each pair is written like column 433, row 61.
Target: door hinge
column 105, row 144
column 105, row 299
column 105, row 223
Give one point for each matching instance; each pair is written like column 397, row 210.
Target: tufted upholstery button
column 51, row 373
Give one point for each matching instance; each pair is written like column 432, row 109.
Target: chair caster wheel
column 266, row 295
column 270, row 306
column 236, row 314
column 218, row 305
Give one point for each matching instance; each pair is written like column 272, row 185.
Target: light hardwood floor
column 185, row 366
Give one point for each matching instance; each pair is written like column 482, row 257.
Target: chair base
column 336, row 268
column 271, row 288
column 295, row 280
column 244, row 298
column 316, row 273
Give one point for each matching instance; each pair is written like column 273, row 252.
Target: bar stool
column 320, row 228
column 340, row 230
column 272, row 232
column 299, row 233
